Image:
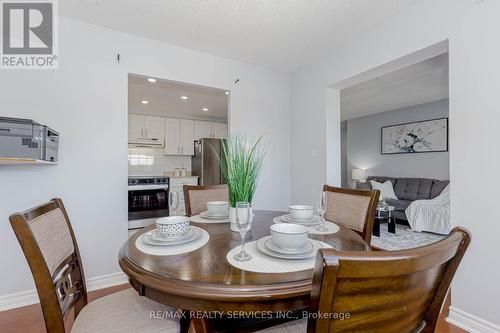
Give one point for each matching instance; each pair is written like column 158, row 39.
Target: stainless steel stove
column 147, row 199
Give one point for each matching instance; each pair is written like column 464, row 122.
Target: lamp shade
column 358, row 174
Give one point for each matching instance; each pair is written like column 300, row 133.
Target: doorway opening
column 171, row 128
column 393, row 131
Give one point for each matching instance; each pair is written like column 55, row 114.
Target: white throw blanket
column 431, row 215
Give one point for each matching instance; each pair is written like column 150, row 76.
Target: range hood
column 150, row 143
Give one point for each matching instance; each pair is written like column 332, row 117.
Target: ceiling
column 164, row 99
column 284, row 35
column 423, row 82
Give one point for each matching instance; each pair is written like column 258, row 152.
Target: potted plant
column 241, row 162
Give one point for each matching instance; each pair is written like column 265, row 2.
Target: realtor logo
column 28, row 34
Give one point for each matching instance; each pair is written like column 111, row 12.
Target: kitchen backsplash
column 149, row 162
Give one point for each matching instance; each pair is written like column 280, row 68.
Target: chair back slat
column 196, row 197
column 354, row 209
column 50, row 247
column 385, row 291
column 52, row 235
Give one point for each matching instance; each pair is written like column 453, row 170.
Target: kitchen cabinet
column 176, row 185
column 219, row 130
column 135, row 126
column 179, row 137
column 208, row 129
column 154, row 127
column 172, row 136
column 145, row 127
column 187, row 137
column 202, row 129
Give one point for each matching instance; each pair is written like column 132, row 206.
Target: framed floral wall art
column 416, row 137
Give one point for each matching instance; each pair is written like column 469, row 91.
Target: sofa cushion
column 398, row 204
column 413, row 188
column 438, row 187
column 386, row 189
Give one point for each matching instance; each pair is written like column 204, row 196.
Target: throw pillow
column 386, row 189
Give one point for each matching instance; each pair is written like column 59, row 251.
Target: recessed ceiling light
column 205, row 109
column 184, row 97
column 151, row 80
column 144, row 102
column 227, row 92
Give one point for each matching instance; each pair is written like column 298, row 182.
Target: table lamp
column 358, row 175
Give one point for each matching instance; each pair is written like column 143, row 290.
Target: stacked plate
column 309, row 250
column 314, row 220
column 209, row 216
column 288, row 242
column 153, row 237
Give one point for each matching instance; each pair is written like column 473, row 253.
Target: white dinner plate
column 261, row 246
column 206, row 215
column 157, row 237
column 147, row 238
column 275, row 248
column 315, row 220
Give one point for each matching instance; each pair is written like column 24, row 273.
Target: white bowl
column 217, row 208
column 172, row 225
column 289, row 236
column 301, row 212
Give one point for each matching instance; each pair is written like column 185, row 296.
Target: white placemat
column 332, row 227
column 262, row 263
column 172, row 249
column 199, row 219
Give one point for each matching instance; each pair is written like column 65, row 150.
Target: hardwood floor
column 29, row 319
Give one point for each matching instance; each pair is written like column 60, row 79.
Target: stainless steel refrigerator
column 205, row 164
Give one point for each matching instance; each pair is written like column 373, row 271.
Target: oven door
column 147, row 203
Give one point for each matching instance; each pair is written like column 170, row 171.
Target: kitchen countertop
column 182, row 177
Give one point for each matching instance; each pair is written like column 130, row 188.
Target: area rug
column 404, row 238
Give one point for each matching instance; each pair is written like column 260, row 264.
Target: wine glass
column 173, row 200
column 321, row 211
column 244, row 223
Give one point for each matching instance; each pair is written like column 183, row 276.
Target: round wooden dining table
column 203, row 280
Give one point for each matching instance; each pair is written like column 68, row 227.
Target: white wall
column 363, row 145
column 472, row 29
column 86, row 100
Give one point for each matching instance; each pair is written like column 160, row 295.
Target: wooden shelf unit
column 17, row 161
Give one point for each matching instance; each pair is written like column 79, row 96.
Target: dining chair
column 354, row 209
column 381, row 291
column 49, row 245
column 196, row 197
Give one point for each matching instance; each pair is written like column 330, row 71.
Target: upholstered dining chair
column 196, row 197
column 354, row 209
column 49, row 245
column 381, row 291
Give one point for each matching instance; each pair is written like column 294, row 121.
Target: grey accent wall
column 363, row 145
column 343, row 153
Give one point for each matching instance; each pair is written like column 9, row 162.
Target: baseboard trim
column 29, row 297
column 471, row 323
column 106, row 281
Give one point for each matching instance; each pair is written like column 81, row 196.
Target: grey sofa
column 407, row 190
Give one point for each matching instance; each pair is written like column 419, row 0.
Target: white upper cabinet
column 135, row 127
column 154, row 126
column 187, row 137
column 219, row 130
column 202, row 129
column 172, row 136
column 179, row 136
column 208, row 129
column 145, row 127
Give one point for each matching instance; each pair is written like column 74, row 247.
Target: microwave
column 25, row 138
